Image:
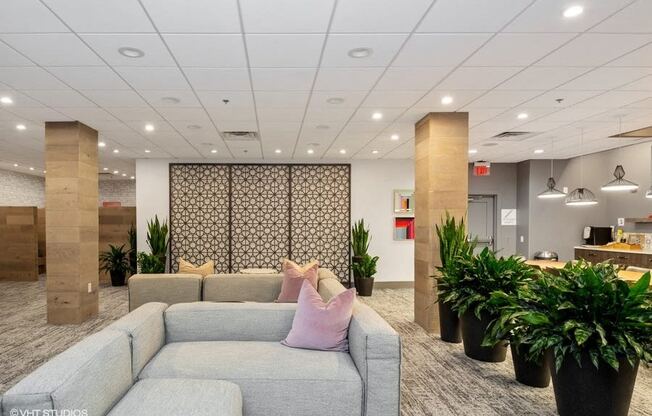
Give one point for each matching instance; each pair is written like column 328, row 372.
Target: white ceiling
column 278, row 62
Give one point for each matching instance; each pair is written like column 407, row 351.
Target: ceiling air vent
column 240, row 136
column 514, row 136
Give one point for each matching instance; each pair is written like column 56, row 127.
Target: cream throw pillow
column 203, row 270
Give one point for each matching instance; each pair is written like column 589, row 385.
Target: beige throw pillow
column 203, row 270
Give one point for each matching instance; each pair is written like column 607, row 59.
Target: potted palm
column 596, row 329
column 454, row 245
column 149, row 263
column 365, row 269
column 115, row 261
column 480, row 276
column 157, row 238
column 360, row 240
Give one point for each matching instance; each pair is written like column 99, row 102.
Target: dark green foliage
column 115, row 260
column 455, row 246
column 360, row 238
column 133, row 261
column 150, row 263
column 366, row 267
column 157, row 236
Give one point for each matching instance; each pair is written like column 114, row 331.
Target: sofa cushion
column 91, row 375
column 177, row 397
column 274, row 379
column 146, row 331
column 166, row 288
column 242, row 287
column 207, row 321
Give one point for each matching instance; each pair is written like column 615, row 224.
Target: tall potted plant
column 596, row 329
column 360, row 240
column 454, row 245
column 133, row 254
column 481, row 275
column 149, row 263
column 115, row 261
column 365, row 269
column 157, row 238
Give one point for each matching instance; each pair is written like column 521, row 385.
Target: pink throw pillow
column 293, row 277
column 318, row 325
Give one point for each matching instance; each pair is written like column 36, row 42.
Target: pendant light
column 581, row 196
column 551, row 191
column 619, row 184
column 648, row 194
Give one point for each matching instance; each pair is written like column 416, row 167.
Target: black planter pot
column 473, row 332
column 117, row 279
column 449, row 324
column 364, row 285
column 530, row 373
column 589, row 391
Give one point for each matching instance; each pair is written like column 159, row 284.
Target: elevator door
column 482, row 220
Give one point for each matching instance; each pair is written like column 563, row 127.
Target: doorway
column 481, row 221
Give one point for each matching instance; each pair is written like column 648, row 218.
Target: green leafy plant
column 454, row 246
column 115, row 260
column 366, row 267
column 157, row 237
column 360, row 238
column 150, row 263
column 480, row 276
column 133, row 254
column 585, row 309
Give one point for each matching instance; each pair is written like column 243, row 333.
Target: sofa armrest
column 376, row 351
column 166, row 288
column 145, row 328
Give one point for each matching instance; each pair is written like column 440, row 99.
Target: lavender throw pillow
column 318, row 325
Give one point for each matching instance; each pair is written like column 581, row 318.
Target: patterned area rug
column 437, row 378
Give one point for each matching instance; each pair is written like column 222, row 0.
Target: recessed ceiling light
column 124, row 174
column 131, row 52
column 446, row 100
column 20, row 127
column 360, row 52
column 573, row 11
column 342, row 151
column 105, row 169
column 322, row 127
column 374, row 152
column 101, row 144
column 473, row 151
column 395, row 137
column 15, row 165
column 214, row 151
column 115, row 172
column 171, row 100
column 148, row 151
column 6, row 100
column 116, row 151
column 31, row 168
column 45, row 171
column 132, row 177
column 193, row 127
column 310, row 151
column 277, row 151
column 335, row 100
column 149, row 127
column 377, row 116
column 538, row 151
column 522, row 116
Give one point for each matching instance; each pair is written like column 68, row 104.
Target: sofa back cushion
column 207, row 321
column 146, row 331
column 91, row 375
column 238, row 287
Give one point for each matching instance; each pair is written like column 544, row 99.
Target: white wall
column 372, row 186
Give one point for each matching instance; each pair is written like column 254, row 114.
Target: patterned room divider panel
column 200, row 215
column 254, row 215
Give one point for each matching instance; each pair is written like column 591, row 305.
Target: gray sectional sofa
column 213, row 358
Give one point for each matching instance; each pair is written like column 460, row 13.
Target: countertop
column 629, row 276
column 603, row 248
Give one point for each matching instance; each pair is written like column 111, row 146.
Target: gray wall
column 523, row 205
column 502, row 183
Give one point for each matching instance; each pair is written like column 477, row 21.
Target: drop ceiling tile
column 355, row 79
column 231, row 114
column 219, row 79
column 86, row 114
column 286, row 16
column 615, row 99
column 363, row 115
column 540, row 77
column 183, row 113
column 9, row 57
column 237, row 125
column 634, row 18
column 460, row 97
column 60, row 98
column 480, row 115
column 643, row 84
column 89, row 77
column 53, row 49
column 40, row 114
column 330, row 116
column 168, row 98
column 400, row 99
column 151, row 78
column 280, row 128
column 570, row 115
column 285, row 50
column 197, row 16
column 569, row 98
column 593, row 49
column 282, row 99
column 639, row 57
column 503, row 98
column 115, row 98
column 477, row 78
column 417, row 79
column 280, row 114
column 134, row 113
column 102, row 16
column 208, row 51
column 517, row 49
column 108, row 45
column 439, row 49
column 20, row 100
column 471, row 15
column 236, row 99
column 352, row 99
column 28, row 16
column 378, row 16
column 547, row 16
column 282, row 79
column 606, row 78
column 383, row 49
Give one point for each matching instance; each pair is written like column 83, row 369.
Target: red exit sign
column 481, row 168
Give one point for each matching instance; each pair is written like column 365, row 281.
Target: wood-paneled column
column 441, row 184
column 71, row 212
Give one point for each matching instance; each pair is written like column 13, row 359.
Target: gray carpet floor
column 437, row 378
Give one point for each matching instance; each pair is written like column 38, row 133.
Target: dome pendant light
column 580, row 197
column 619, row 184
column 551, row 191
column 648, row 194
